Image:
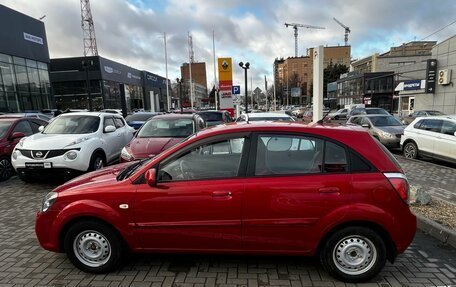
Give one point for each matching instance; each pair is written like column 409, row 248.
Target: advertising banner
column 431, row 73
column 225, row 83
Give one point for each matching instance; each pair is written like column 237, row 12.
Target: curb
column 436, row 230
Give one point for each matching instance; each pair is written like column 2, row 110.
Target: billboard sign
column 431, row 73
column 225, row 82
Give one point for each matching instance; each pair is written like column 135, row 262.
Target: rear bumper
column 405, row 231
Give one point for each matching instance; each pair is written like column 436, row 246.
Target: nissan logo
column 39, row 154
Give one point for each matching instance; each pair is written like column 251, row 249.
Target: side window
column 431, row 125
column 288, row 155
column 358, row 164
column 215, row 160
column 356, row 120
column 418, row 124
column 35, row 125
column 108, row 122
column 23, row 127
column 335, row 158
column 119, row 122
column 448, row 128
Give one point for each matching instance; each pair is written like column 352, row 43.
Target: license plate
column 38, row 164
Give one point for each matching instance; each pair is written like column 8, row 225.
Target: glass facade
column 73, row 94
column 24, row 85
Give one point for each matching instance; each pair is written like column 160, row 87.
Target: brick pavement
column 438, row 180
column 24, row 263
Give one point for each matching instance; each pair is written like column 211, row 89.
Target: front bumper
column 32, row 164
column 45, row 232
column 391, row 142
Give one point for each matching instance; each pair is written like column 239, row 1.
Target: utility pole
column 168, row 96
column 266, row 92
column 295, row 28
column 190, row 61
column 215, row 72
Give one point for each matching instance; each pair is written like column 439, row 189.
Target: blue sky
column 130, row 31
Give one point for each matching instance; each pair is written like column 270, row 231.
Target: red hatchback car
column 12, row 129
column 252, row 188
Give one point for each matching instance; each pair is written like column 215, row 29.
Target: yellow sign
column 225, row 70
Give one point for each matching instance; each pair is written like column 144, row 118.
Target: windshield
column 167, row 128
column 139, row 117
column 385, row 121
column 4, row 126
column 211, row 117
column 74, row 124
column 376, row 112
column 435, row 113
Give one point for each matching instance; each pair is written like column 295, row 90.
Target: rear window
column 139, row 117
column 389, row 154
column 376, row 112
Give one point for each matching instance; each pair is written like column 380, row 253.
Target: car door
column 196, row 203
column 111, row 139
column 122, row 132
column 294, row 181
column 445, row 142
column 427, row 132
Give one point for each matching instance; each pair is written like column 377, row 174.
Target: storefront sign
column 33, row 38
column 431, row 73
column 225, row 82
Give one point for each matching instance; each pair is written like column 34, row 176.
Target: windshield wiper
column 126, row 172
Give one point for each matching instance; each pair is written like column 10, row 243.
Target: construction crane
column 295, row 27
column 347, row 30
column 90, row 42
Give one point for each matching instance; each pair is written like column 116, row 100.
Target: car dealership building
column 24, row 62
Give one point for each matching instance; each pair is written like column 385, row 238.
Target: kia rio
column 250, row 188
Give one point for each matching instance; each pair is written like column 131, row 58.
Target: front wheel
column 97, row 162
column 410, row 150
column 353, row 254
column 6, row 169
column 93, row 247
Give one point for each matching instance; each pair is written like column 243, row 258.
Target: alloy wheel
column 6, row 169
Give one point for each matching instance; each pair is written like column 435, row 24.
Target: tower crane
column 295, row 27
column 347, row 30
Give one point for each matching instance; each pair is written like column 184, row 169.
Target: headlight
column 48, row 201
column 71, row 155
column 79, row 140
column 387, row 135
column 15, row 154
column 125, row 154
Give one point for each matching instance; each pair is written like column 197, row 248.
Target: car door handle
column 329, row 190
column 221, row 194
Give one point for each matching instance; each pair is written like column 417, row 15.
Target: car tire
column 410, row 150
column 336, row 118
column 6, row 168
column 97, row 161
column 93, row 247
column 353, row 254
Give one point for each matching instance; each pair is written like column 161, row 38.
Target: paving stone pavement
column 438, row 180
column 24, row 263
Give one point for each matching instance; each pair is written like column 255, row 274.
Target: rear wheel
column 353, row 254
column 336, row 118
column 6, row 169
column 410, row 150
column 93, row 247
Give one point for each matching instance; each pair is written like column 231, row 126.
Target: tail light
column 400, row 184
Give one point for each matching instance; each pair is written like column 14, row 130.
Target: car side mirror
column 151, row 175
column 109, row 129
column 41, row 129
column 366, row 126
column 17, row 135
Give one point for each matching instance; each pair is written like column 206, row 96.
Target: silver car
column 386, row 128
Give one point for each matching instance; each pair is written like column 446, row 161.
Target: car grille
column 44, row 154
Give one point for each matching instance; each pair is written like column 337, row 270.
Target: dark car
column 425, row 113
column 12, row 129
column 136, row 120
column 367, row 111
column 250, row 188
column 160, row 133
column 214, row 118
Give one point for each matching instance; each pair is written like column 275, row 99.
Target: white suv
column 73, row 142
column 433, row 137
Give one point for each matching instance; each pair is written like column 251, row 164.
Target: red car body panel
column 252, row 214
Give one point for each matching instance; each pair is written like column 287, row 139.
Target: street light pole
column 168, row 96
column 179, row 81
column 245, row 66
